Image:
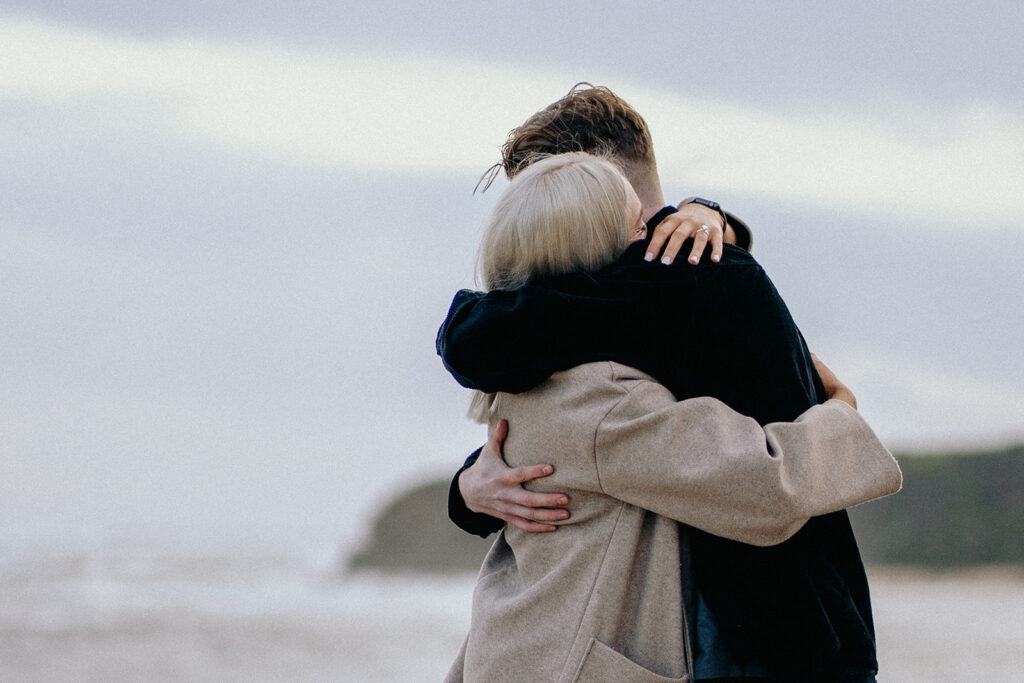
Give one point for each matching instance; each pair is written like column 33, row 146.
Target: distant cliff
column 955, row 510
column 413, row 534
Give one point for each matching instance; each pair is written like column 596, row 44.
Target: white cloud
column 379, row 112
column 969, row 171
column 395, row 112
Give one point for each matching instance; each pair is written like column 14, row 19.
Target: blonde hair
column 564, row 213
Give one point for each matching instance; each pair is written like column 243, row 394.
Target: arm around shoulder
column 701, row 463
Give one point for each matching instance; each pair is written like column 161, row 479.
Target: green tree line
column 955, row 510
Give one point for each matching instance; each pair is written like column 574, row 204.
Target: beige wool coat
column 604, row 597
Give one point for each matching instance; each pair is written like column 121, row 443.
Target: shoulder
column 733, row 259
column 603, row 384
column 621, row 385
column 738, row 278
column 574, row 402
column 606, row 373
column 738, row 256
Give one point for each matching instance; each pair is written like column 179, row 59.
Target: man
column 797, row 611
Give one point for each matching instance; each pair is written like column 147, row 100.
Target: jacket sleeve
column 701, row 463
column 499, row 340
column 758, row 361
column 471, row 522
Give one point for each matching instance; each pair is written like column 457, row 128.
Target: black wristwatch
column 714, row 206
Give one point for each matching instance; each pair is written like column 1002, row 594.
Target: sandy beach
column 247, row 615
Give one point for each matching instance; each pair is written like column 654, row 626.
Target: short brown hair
column 589, row 119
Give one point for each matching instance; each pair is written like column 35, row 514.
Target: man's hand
column 493, row 488
column 833, row 387
column 682, row 225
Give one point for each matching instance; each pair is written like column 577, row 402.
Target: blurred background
column 229, row 232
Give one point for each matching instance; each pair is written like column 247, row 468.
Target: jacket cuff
column 475, row 523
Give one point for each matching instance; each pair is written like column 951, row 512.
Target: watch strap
column 714, row 206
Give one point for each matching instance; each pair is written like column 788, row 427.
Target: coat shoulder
column 607, row 377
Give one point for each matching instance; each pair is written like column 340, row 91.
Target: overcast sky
column 229, row 232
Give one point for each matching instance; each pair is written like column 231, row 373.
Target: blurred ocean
column 94, row 609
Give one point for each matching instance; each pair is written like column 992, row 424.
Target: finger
column 497, row 434
column 700, row 240
column 530, row 527
column 520, row 475
column 537, row 514
column 531, row 499
column 674, row 245
column 544, row 515
column 717, row 239
column 495, row 437
column 491, row 453
column 661, row 234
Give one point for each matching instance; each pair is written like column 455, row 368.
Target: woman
column 603, row 599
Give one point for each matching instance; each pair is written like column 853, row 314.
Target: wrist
column 714, row 206
column 843, row 393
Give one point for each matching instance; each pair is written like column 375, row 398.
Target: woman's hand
column 688, row 222
column 833, row 387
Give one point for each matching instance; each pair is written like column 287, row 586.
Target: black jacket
column 718, row 330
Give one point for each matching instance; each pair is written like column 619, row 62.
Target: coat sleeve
column 703, row 464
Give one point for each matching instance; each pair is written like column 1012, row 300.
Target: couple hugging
column 687, row 460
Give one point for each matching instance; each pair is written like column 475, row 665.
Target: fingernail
column 649, row 256
column 563, row 501
column 693, row 260
column 716, row 258
column 667, row 261
column 564, row 515
column 547, row 469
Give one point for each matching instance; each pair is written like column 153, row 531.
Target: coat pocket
column 601, row 664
